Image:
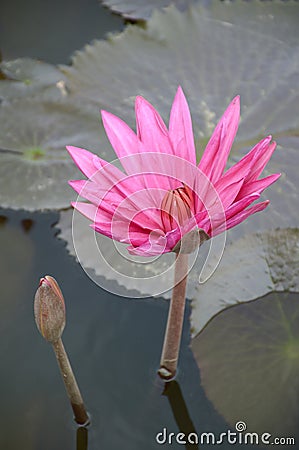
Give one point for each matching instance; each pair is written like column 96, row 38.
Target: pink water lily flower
column 160, row 194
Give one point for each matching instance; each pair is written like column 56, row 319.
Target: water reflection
column 3, row 220
column 180, row 411
column 82, row 438
column 27, row 224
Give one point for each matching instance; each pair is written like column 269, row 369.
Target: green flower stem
column 70, row 383
column 174, row 327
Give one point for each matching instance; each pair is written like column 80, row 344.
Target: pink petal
column 136, row 157
column 93, row 213
column 180, row 128
column 242, row 168
column 87, row 209
column 258, row 185
column 151, row 247
column 235, row 220
column 216, row 153
column 261, row 162
column 151, row 129
column 87, row 190
column 219, row 222
column 120, row 233
column 228, row 193
column 123, row 140
column 84, row 160
column 122, row 202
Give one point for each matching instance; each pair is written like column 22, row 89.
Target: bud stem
column 70, row 383
column 172, row 339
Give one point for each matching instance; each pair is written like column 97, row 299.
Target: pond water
column 114, row 343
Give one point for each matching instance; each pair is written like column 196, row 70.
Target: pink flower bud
column 49, row 309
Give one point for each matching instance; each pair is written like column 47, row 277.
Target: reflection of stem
column 172, row 390
column 82, row 438
column 172, row 339
column 70, row 383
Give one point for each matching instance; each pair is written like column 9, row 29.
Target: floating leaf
column 213, row 53
column 34, row 165
column 249, row 362
column 250, row 268
column 30, row 77
column 276, row 17
column 142, row 9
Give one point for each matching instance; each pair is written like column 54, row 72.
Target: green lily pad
column 142, row 9
column 250, row 268
column 276, row 17
column 29, row 77
column 34, row 164
column 213, row 53
column 249, row 362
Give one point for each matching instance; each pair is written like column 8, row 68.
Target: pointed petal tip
column 139, row 100
column 180, row 90
column 73, row 151
column 180, row 96
column 72, row 182
column 236, row 102
column 105, row 115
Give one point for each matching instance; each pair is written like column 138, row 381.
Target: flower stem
column 70, row 383
column 172, row 339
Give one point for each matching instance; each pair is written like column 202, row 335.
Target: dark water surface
column 52, row 30
column 114, row 345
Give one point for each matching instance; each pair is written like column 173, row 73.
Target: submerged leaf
column 34, row 164
column 249, row 361
column 250, row 268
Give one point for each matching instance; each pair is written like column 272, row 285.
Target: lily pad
column 249, row 361
column 250, row 268
column 276, row 17
column 30, row 77
column 142, row 9
column 34, row 165
column 212, row 52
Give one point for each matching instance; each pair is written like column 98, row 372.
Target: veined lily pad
column 142, row 9
column 30, row 77
column 276, row 17
column 212, row 57
column 250, row 268
column 249, row 361
column 34, row 164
